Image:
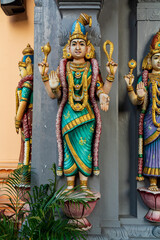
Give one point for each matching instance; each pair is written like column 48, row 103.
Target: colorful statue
column 24, row 104
column 148, row 96
column 77, row 83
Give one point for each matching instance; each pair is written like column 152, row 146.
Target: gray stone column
column 44, row 154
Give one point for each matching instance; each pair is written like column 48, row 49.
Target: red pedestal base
column 78, row 212
column 152, row 200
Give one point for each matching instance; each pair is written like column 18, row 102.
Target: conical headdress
column 28, row 53
column 155, row 45
column 78, row 28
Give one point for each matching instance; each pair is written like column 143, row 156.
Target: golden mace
column 131, row 64
column 109, row 55
column 46, row 49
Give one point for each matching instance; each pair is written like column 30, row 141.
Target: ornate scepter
column 109, row 55
column 131, row 64
column 46, row 49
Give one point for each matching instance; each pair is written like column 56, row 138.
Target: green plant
column 15, row 191
column 44, row 220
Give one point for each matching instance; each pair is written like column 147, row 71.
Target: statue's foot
column 68, row 191
column 153, row 188
column 86, row 190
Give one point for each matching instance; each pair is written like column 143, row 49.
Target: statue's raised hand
column 140, row 90
column 104, row 101
column 129, row 78
column 111, row 67
column 40, row 67
column 54, row 79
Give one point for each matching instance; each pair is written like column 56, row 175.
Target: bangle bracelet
column 17, row 123
column 55, row 90
column 99, row 92
column 140, row 98
column 110, row 78
column 130, row 88
column 45, row 78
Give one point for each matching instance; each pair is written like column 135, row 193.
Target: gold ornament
column 46, row 49
column 84, row 96
column 109, row 55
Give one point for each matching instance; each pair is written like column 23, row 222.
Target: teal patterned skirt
column 77, row 133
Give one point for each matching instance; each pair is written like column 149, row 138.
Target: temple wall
column 130, row 25
column 16, row 32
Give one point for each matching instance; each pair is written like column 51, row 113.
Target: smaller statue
column 24, row 106
column 148, row 97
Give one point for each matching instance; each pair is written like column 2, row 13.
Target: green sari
column 77, row 134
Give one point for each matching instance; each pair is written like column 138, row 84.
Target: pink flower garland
column 96, row 111
column 141, row 120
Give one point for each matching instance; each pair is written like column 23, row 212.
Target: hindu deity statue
column 24, row 103
column 77, row 83
column 148, row 97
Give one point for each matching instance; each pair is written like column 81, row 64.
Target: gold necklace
column 84, row 96
column 77, row 68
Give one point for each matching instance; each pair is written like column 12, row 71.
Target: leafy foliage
column 15, row 192
column 44, row 220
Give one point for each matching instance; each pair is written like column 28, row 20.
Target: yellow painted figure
column 24, row 103
column 77, row 83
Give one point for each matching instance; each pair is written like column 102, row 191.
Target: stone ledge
column 148, row 11
column 73, row 5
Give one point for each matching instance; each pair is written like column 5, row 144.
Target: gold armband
column 140, row 99
column 110, row 78
column 17, row 123
column 55, row 90
column 130, row 88
column 45, row 78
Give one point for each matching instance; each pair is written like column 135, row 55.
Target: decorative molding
column 143, row 1
column 4, row 174
column 96, row 237
column 148, row 11
column 73, row 5
column 127, row 232
column 116, row 233
column 156, row 232
column 136, row 231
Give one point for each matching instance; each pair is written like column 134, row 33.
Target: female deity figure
column 77, row 83
column 148, row 97
column 24, row 103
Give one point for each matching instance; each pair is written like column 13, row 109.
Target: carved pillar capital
column 148, row 10
column 92, row 5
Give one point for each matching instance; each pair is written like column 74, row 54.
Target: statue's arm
column 51, row 81
column 26, row 92
column 138, row 97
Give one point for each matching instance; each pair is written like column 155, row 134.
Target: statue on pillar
column 24, row 106
column 148, row 97
column 77, row 84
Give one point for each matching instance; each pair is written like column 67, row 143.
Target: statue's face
column 78, row 48
column 22, row 71
column 156, row 61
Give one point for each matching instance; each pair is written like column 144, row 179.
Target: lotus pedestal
column 77, row 212
column 152, row 200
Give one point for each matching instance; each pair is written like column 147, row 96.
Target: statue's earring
column 69, row 55
column 88, row 55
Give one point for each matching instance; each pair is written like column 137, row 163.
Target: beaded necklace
column 72, row 96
